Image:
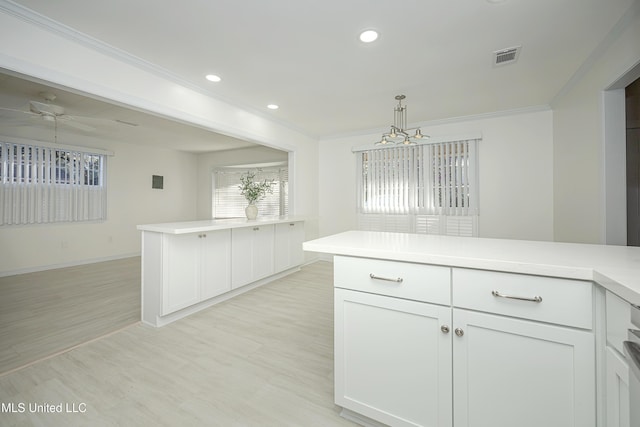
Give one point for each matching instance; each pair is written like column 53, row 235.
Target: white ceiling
column 305, row 56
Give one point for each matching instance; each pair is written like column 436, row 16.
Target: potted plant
column 253, row 191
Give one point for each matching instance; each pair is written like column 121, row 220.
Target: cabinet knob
column 459, row 332
column 292, row 225
column 444, row 329
column 256, row 228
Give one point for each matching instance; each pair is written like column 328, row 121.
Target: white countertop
column 214, row 224
column 616, row 268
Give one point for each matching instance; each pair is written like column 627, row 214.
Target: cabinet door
column 215, row 270
column 262, row 253
column 251, row 254
column 617, row 390
column 392, row 360
column 510, row 372
column 180, row 287
column 288, row 245
column 241, row 256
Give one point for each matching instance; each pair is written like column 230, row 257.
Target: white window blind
column 227, row 202
column 45, row 185
column 428, row 188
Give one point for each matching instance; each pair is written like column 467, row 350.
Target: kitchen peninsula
column 452, row 331
column 188, row 266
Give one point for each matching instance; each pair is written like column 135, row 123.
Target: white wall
column 515, row 175
column 35, row 50
column 207, row 162
column 578, row 137
column 131, row 201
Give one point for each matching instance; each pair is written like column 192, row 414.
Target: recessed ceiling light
column 368, row 36
column 213, row 78
column 273, row 106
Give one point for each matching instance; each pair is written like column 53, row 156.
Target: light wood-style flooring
column 263, row 358
column 50, row 311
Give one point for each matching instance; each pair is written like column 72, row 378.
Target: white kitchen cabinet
column 215, row 261
column 431, row 346
column 532, row 350
column 618, row 315
column 617, row 396
column 252, row 254
column 392, row 359
column 196, row 267
column 189, row 266
column 513, row 372
column 181, row 259
column 288, row 245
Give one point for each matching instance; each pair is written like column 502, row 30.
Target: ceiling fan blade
column 72, row 122
column 13, row 110
column 13, row 115
column 42, row 108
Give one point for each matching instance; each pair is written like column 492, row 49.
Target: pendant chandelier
column 399, row 133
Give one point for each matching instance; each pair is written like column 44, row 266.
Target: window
column 40, row 184
column 227, row 202
column 427, row 188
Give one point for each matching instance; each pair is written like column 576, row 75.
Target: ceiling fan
column 49, row 112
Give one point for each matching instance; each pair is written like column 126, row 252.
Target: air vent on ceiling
column 506, row 56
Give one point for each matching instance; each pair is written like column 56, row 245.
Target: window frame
column 238, row 203
column 404, row 188
column 43, row 183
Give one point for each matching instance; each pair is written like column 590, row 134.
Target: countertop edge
column 213, row 225
column 612, row 278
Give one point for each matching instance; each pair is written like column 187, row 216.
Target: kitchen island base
column 187, row 267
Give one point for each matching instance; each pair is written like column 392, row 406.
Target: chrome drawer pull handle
column 373, row 276
column 534, row 299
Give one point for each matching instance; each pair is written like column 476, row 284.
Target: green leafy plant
column 252, row 190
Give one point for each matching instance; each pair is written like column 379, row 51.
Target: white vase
column 251, row 211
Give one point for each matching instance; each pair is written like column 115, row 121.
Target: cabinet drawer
column 563, row 301
column 417, row 282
